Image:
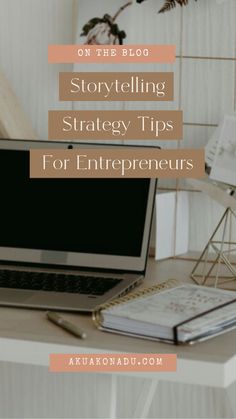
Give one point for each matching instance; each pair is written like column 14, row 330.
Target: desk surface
column 26, row 336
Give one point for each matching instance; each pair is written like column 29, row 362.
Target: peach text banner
column 113, row 363
column 111, row 54
column 123, row 86
column 116, row 125
column 117, row 162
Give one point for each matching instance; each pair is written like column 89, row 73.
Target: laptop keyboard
column 56, row 282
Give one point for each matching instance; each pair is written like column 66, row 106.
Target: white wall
column 205, row 70
column 26, row 29
column 205, row 75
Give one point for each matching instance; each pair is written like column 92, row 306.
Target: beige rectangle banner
column 116, row 86
column 111, row 53
column 115, row 125
column 110, row 362
column 117, row 162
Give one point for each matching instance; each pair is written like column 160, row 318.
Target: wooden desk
column 203, row 386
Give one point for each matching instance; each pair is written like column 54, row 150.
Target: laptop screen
column 94, row 216
column 84, row 223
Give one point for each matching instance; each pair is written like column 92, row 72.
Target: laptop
column 69, row 244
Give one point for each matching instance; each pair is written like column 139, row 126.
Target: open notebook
column 172, row 312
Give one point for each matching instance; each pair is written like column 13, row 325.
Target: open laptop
column 69, row 244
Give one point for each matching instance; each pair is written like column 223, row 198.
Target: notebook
column 69, row 244
column 171, row 312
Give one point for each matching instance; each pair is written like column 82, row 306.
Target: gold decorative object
column 216, row 267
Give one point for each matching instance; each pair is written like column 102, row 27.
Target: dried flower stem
column 121, row 9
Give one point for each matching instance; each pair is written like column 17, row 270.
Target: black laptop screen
column 98, row 216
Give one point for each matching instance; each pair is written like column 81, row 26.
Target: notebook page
column 211, row 147
column 173, row 306
column 223, row 168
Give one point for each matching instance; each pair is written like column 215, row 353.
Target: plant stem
column 121, row 9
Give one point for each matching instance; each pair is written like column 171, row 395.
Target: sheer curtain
column 142, row 25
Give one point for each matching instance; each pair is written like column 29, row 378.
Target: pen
column 66, row 325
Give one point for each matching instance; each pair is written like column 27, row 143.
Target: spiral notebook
column 172, row 312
